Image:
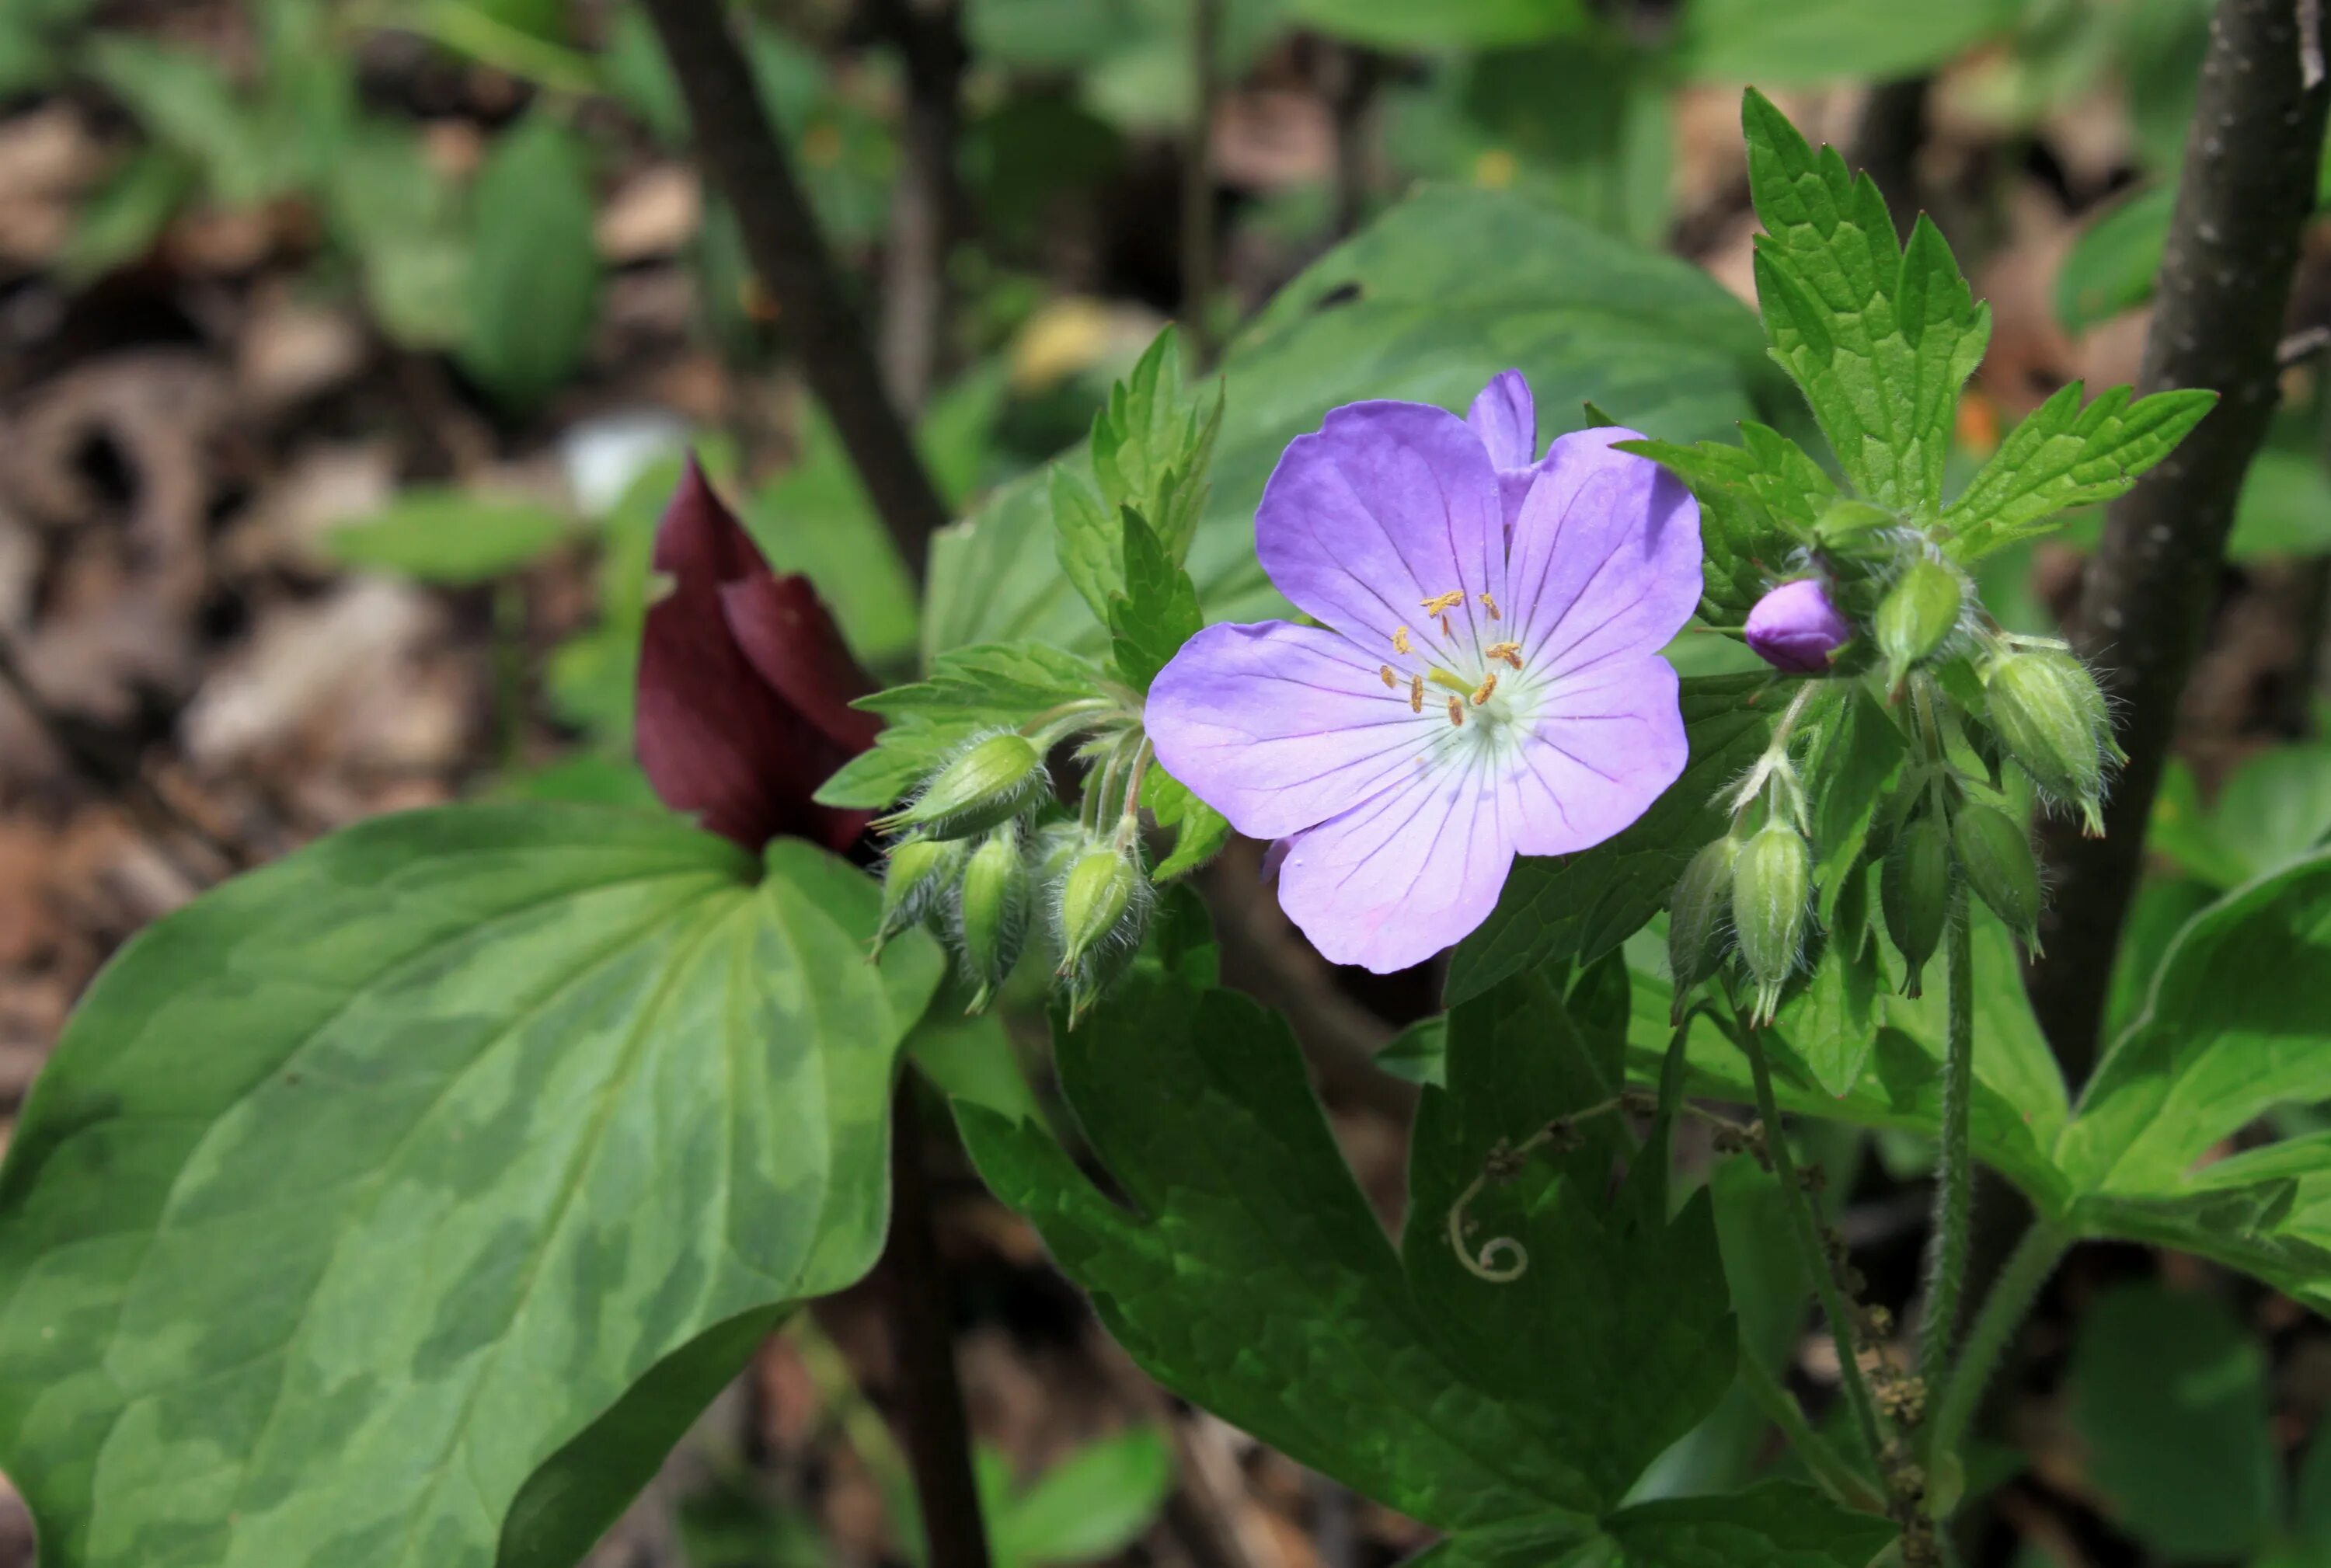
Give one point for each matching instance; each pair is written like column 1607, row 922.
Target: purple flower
column 1487, row 681
column 1795, row 628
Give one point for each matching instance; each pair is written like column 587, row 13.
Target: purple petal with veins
column 1488, row 682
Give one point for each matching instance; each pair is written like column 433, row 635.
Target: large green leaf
column 1769, row 1527
column 2236, row 1026
column 398, row 1203
column 1781, row 43
column 533, row 266
column 1427, row 303
column 1253, row 1277
column 1557, row 907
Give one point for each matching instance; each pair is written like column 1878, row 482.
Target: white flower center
column 1482, row 702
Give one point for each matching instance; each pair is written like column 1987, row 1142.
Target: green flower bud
column 915, row 878
column 1995, row 854
column 1096, row 902
column 1913, row 889
column 990, row 781
column 1771, row 880
column 1916, row 613
column 992, row 912
column 1699, row 916
column 2048, row 714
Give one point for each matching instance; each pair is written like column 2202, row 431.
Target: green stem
column 1809, row 1242
column 2003, row 1312
column 1840, row 1479
column 1954, row 1169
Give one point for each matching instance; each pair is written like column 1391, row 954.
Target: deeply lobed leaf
column 2061, row 456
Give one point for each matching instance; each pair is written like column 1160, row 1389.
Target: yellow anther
column 1385, row 670
column 1457, row 712
column 1400, row 640
column 1511, row 653
column 1440, row 602
column 1416, row 694
column 1488, row 684
column 1491, row 605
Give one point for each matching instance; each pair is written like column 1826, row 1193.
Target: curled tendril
column 1504, row 1162
column 1484, row 1266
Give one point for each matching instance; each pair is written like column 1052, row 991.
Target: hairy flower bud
column 992, row 912
column 1795, row 628
column 1995, row 854
column 990, row 781
column 2048, row 714
column 1916, row 613
column 1096, row 898
column 1699, row 916
column 1913, row 889
column 915, row 878
column 1772, row 878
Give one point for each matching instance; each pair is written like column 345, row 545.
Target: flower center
column 1492, row 700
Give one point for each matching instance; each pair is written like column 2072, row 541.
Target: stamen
column 1440, row 603
column 1400, row 640
column 1457, row 711
column 1416, row 694
column 1488, row 684
column 1385, row 670
column 1492, row 606
column 1511, row 653
column 1444, row 627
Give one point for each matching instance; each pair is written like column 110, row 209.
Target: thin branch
column 740, row 152
column 2248, row 187
column 925, row 204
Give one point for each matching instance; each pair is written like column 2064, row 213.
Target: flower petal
column 1606, row 554
column 1390, row 504
column 1608, row 743
column 1505, row 416
column 787, row 633
column 1404, row 874
column 1279, row 727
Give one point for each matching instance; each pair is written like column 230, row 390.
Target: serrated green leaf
column 1856, row 754
column 1086, row 541
column 967, row 691
column 1879, row 338
column 1202, row 831
column 1405, row 308
column 1156, row 612
column 1581, row 906
column 1255, row 1281
column 2236, row 1026
column 2063, row 455
column 2169, row 1395
column 1757, row 503
column 451, row 537
column 533, row 275
column 400, row 1202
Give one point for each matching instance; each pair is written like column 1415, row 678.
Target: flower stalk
column 1955, row 1168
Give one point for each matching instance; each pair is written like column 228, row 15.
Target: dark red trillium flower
column 744, row 685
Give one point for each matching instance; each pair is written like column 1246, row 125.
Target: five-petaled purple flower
column 1794, row 628
column 1487, row 681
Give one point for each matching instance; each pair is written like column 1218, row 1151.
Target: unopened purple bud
column 1795, row 628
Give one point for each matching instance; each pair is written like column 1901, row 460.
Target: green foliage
column 967, row 691
column 1785, row 42
column 457, row 538
column 1406, row 309
column 2274, row 809
column 1200, row 830
column 1878, row 337
column 403, row 1201
column 2063, row 455
column 1091, row 1505
column 1556, row 908
column 534, row 268
column 2169, row 1395
column 1759, row 502
column 1155, row 612
column 2112, row 265
column 1482, row 23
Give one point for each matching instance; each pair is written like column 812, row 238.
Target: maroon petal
column 786, row 631
column 713, row 737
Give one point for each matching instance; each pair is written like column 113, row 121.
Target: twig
column 925, row 205
column 740, row 151
column 2248, row 186
column 1198, row 182
column 915, row 1299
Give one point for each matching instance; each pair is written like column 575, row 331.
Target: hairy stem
column 2003, row 1312
column 915, row 1299
column 740, row 152
column 1802, row 1221
column 1955, row 1168
column 2247, row 188
column 1840, row 1479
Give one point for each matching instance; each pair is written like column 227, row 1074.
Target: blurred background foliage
column 348, row 347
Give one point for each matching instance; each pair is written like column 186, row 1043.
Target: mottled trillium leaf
column 401, row 1202
column 1557, row 907
column 1407, row 308
column 1251, row 1276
